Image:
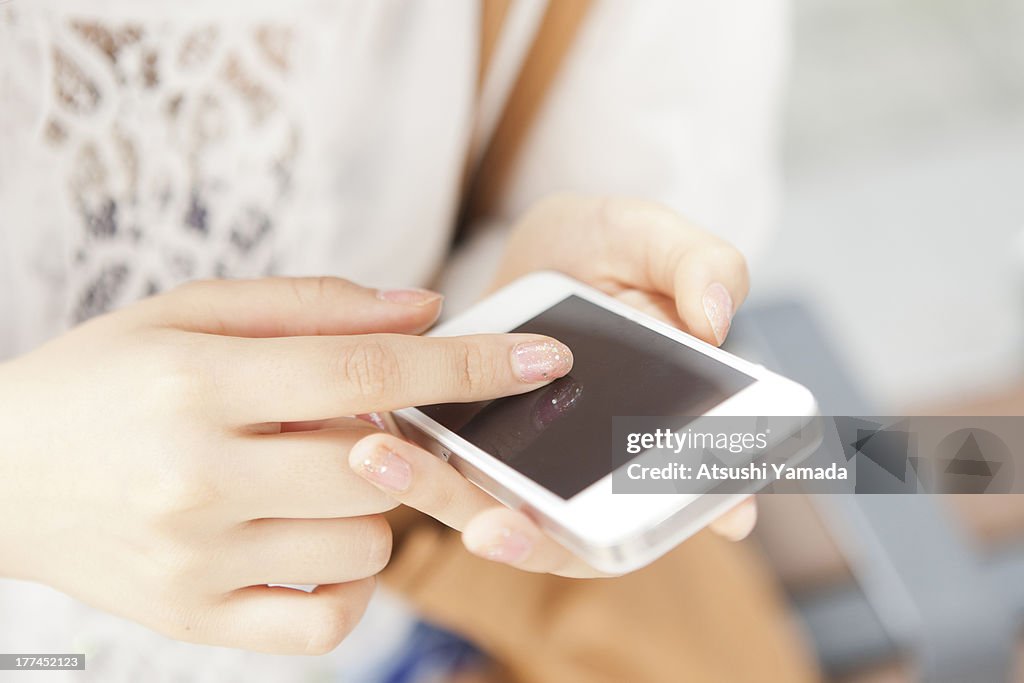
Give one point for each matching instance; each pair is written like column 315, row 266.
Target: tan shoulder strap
column 492, row 18
column 556, row 33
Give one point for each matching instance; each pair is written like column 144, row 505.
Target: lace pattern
column 146, row 144
column 145, row 117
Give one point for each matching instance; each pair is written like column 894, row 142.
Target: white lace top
column 143, row 144
column 149, row 143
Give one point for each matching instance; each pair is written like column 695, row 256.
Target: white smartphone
column 547, row 452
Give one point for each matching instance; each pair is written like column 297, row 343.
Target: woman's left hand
column 646, row 256
column 642, row 253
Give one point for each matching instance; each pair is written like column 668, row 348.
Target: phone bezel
column 596, row 516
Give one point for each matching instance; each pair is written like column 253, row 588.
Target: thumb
column 287, row 307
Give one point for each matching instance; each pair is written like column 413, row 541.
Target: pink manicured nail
column 718, row 309
column 385, row 468
column 540, row 361
column 408, row 297
column 507, row 546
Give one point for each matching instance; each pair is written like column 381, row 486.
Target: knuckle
column 368, row 369
column 300, row 291
column 437, row 500
column 322, row 289
column 177, row 380
column 325, row 287
column 333, row 287
column 475, row 369
column 177, row 570
column 379, row 545
column 174, row 377
column 179, row 489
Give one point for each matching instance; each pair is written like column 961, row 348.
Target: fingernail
column 540, row 361
column 387, row 469
column 409, row 297
column 506, row 546
column 718, row 309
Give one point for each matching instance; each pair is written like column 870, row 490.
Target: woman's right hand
column 167, row 461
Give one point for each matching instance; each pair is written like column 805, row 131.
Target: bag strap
column 555, row 34
column 492, row 18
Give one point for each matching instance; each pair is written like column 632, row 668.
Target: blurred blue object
column 431, row 655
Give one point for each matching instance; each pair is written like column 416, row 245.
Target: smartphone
column 547, row 452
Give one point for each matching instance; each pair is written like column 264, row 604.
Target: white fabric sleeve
column 676, row 101
column 669, row 100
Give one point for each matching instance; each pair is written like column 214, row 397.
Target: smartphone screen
column 560, row 435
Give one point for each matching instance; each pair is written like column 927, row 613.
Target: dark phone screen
column 560, row 435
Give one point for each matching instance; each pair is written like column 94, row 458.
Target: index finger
column 289, row 379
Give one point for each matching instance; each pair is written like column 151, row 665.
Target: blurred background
column 904, row 154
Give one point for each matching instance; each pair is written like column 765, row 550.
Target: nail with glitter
column 387, row 469
column 542, row 360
